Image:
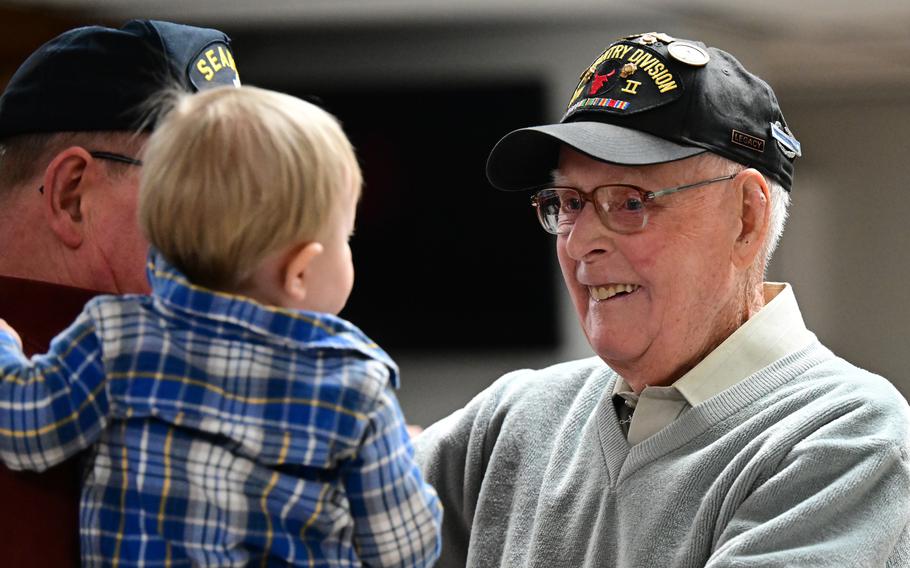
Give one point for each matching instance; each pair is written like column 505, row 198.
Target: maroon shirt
column 39, row 512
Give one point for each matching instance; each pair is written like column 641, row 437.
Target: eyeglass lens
column 621, row 208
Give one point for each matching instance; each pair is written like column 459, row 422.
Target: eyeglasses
column 109, row 156
column 623, row 208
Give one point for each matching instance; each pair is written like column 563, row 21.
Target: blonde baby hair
column 232, row 175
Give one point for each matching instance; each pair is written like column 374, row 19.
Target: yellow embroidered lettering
column 610, row 53
column 650, row 65
column 618, row 51
column 631, row 87
column 222, row 58
column 668, row 86
column 210, row 55
column 663, row 78
column 230, row 58
column 206, row 71
column 636, row 57
column 598, row 61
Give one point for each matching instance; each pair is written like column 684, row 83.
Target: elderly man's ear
column 755, row 216
column 66, row 179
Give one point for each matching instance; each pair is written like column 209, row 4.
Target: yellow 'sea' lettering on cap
column 206, row 71
column 214, row 60
column 226, row 59
column 230, row 60
column 210, row 55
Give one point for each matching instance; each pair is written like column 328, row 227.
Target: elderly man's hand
column 8, row 329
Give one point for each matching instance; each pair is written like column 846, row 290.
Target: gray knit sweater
column 805, row 463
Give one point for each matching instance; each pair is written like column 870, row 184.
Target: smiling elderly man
column 713, row 429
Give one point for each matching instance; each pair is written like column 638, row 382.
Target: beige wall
column 847, row 247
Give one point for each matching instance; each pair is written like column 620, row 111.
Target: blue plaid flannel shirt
column 223, row 432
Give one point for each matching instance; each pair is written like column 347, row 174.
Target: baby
column 232, row 417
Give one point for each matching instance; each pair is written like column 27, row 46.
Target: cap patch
column 788, row 143
column 213, row 66
column 638, row 77
column 748, row 141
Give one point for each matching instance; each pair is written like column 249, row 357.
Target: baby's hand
column 6, row 327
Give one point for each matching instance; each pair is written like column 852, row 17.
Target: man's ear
column 296, row 267
column 755, row 217
column 65, row 183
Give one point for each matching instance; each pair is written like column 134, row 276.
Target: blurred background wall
column 455, row 279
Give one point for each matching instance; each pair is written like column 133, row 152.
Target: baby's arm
column 397, row 515
column 55, row 405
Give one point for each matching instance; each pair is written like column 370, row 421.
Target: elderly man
column 713, row 429
column 72, row 124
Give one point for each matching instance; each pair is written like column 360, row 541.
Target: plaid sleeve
column 397, row 515
column 54, row 405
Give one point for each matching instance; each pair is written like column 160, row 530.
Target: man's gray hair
column 780, row 205
column 780, row 209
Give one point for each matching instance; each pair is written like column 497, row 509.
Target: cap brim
column 525, row 158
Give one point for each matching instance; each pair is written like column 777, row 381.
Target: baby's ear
column 296, row 267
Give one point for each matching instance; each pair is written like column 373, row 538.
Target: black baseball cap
column 651, row 98
column 97, row 78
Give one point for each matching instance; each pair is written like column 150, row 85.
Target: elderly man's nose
column 588, row 236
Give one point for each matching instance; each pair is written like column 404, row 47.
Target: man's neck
column 43, row 264
column 664, row 369
column 32, row 252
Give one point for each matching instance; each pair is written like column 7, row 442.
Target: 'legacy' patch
column 747, row 140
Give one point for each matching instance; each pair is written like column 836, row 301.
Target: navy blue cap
column 97, row 78
column 649, row 99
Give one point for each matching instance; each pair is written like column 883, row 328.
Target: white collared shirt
column 776, row 331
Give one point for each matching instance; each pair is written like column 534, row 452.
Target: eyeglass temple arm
column 654, row 194
column 115, row 158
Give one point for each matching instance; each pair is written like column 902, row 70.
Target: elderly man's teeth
column 601, row 293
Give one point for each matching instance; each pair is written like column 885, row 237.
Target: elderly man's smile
column 609, row 291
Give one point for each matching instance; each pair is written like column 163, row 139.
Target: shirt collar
column 312, row 330
column 776, row 331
